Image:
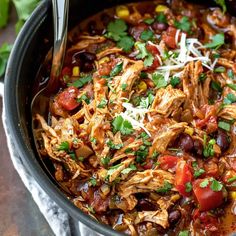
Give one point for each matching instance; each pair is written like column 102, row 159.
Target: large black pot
column 28, row 53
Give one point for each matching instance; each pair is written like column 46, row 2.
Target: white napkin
column 56, row 217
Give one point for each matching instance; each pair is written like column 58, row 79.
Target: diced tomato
column 182, row 177
column 148, row 164
column 169, row 37
column 67, row 98
column 167, row 162
column 66, row 71
column 206, row 197
column 98, row 204
column 152, row 49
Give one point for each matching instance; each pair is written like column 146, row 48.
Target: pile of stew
column 142, row 130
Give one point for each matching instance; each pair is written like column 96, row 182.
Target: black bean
column 159, row 26
column 87, row 56
column 198, row 147
column 87, row 66
column 105, row 18
column 92, row 28
column 185, row 142
column 173, row 217
column 222, row 140
column 145, row 205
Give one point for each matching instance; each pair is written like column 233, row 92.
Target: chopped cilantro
column 208, row 148
column 72, row 156
column 184, row 233
column 126, row 43
column 129, row 169
column 141, row 154
column 159, row 80
column 202, row 77
column 147, row 35
column 117, row 69
column 124, row 126
column 198, row 172
column 230, row 98
column 81, row 159
column 230, row 74
column 105, row 160
column 146, row 102
column 124, row 86
column 143, row 75
column 93, row 181
column 165, row 188
column 114, row 146
column 216, row 186
column 161, row 18
column 83, row 98
column 222, row 4
column 184, row 24
column 90, row 209
column 204, row 183
column 102, row 103
column 220, row 69
column 81, row 81
column 188, row 187
column 216, row 86
column 128, row 150
column 93, row 140
column 64, row 146
column 232, row 86
column 224, row 125
column 217, row 41
column 216, row 55
column 113, row 169
column 174, row 81
column 149, row 21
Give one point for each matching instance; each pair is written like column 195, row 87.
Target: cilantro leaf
column 126, row 43
column 188, row 187
column 113, row 169
column 146, row 102
column 147, row 35
column 174, row 81
column 124, row 126
column 129, row 169
column 216, row 186
column 224, row 125
column 143, row 53
column 230, row 98
column 148, row 60
column 81, row 81
column 216, row 86
column 184, row 24
column 83, row 98
column 124, row 86
column 105, row 160
column 93, row 181
column 217, row 41
column 117, row 69
column 102, row 103
column 4, row 54
column 159, row 80
column 116, row 29
column 220, row 69
column 165, row 188
column 230, row 74
column 64, row 146
column 222, row 4
column 204, row 183
column 161, row 18
column 114, row 146
column 149, row 21
column 202, row 77
column 208, row 148
column 184, row 233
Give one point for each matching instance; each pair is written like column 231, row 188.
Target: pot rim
column 15, row 129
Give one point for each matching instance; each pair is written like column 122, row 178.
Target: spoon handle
column 60, row 22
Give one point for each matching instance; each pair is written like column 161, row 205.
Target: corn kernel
column 189, row 131
column 161, row 8
column 75, row 71
column 142, row 86
column 122, row 11
column 103, row 60
column 175, row 197
column 232, row 195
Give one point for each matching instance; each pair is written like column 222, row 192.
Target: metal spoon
column 40, row 102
